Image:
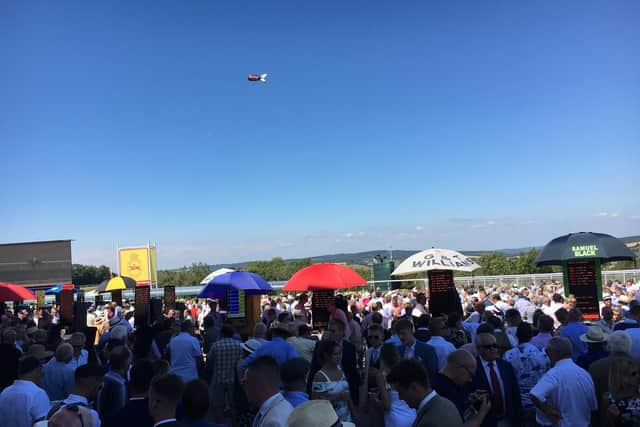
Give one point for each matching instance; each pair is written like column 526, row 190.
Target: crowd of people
column 511, row 356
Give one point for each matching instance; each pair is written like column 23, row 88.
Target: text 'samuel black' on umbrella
column 576, row 246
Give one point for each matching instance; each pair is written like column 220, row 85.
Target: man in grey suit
column 262, row 385
column 411, row 380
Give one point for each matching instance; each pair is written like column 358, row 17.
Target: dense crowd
column 513, row 356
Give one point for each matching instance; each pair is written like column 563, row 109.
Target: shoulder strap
column 326, row 377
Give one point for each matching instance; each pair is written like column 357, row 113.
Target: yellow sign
column 154, row 266
column 135, row 263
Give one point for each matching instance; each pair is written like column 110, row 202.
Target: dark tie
column 498, row 402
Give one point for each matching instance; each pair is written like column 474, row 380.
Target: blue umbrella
column 251, row 283
column 56, row 290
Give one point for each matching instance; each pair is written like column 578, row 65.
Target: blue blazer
column 512, row 402
column 427, row 355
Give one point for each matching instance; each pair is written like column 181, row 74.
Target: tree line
column 277, row 269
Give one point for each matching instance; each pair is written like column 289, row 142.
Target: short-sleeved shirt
column 568, row 388
column 185, row 349
column 22, row 404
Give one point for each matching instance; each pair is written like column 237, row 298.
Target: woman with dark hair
column 330, row 383
column 396, row 411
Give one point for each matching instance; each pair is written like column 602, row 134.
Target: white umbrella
column 435, row 259
column 213, row 274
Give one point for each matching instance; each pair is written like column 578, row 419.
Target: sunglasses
column 489, row 346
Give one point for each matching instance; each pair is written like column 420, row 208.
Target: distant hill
column 365, row 258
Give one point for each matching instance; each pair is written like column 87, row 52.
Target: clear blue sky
column 469, row 125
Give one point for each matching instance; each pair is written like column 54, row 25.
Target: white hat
column 251, row 345
column 316, row 413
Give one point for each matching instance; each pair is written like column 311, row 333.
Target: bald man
column 458, row 370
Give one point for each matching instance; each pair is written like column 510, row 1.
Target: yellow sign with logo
column 139, row 264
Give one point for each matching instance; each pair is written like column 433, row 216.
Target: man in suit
column 411, row 380
column 262, row 385
column 496, row 377
column 370, row 407
column 164, row 394
column 335, row 331
column 135, row 412
column 412, row 349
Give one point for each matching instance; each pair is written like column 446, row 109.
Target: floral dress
column 328, row 388
column 629, row 408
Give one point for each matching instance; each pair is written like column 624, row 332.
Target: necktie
column 498, row 402
column 375, row 354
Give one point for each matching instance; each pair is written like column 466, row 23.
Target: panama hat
column 39, row 352
column 595, row 334
column 317, row 413
column 251, row 345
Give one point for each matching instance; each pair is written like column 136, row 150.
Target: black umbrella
column 576, row 246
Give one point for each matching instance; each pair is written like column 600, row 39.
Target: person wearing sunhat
column 596, row 340
column 39, row 352
column 317, row 413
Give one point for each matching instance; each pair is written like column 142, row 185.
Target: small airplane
column 257, row 78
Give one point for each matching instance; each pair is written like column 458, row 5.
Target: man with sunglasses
column 459, row 370
column 498, row 378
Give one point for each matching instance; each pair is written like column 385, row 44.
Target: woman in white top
column 396, row 411
column 330, row 383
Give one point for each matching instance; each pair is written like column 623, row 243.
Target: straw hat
column 623, row 299
column 595, row 335
column 317, row 413
column 251, row 345
column 39, row 352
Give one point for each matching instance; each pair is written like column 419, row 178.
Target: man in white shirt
column 565, row 393
column 262, row 385
column 421, row 302
column 443, row 348
column 23, row 403
column 186, row 356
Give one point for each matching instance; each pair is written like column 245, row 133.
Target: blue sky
column 406, row 124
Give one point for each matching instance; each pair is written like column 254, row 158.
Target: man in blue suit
column 498, row 379
column 412, row 349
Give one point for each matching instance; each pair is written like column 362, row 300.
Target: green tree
column 495, row 263
column 83, row 275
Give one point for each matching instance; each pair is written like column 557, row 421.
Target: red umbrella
column 324, row 276
column 11, row 292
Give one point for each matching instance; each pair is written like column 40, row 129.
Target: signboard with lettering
column 170, row 297
column 142, row 301
column 443, row 297
column 583, row 280
column 319, row 308
column 66, row 306
column 235, row 304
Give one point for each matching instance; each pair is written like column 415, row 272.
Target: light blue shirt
column 57, row 379
column 22, row 404
column 185, row 349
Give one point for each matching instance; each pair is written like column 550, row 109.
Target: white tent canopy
column 435, row 259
